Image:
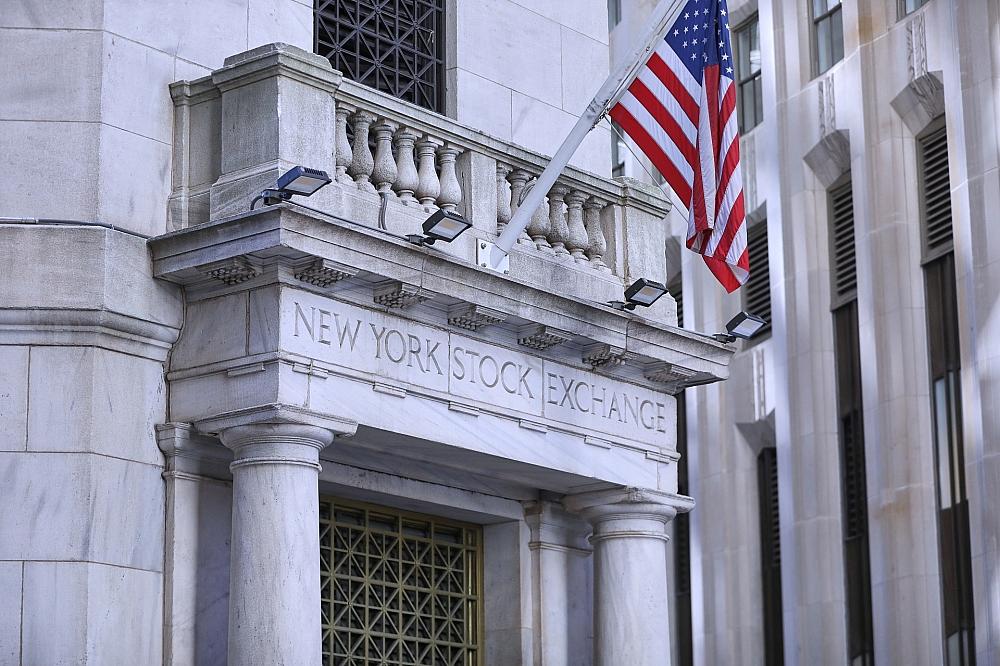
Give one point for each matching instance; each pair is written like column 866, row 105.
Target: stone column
column 274, row 594
column 631, row 619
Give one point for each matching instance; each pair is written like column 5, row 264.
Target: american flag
column 681, row 111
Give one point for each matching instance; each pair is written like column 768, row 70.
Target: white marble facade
column 181, row 379
column 872, row 99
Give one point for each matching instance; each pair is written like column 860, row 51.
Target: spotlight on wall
column 744, row 326
column 441, row 226
column 641, row 292
column 299, row 180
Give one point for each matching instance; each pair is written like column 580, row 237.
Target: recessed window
column 749, row 94
column 396, row 46
column 910, row 6
column 618, row 150
column 770, row 555
column 398, row 587
column 828, row 34
column 757, row 290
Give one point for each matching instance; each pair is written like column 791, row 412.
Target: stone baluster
column 274, row 592
column 407, row 179
column 518, row 179
column 504, row 211
column 428, row 185
column 451, row 190
column 344, row 155
column 558, row 229
column 631, row 624
column 538, row 227
column 595, row 233
column 576, row 240
column 362, row 160
column 384, row 172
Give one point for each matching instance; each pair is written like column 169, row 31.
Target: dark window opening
column 828, row 34
column 770, row 555
column 682, row 547
column 946, row 398
column 750, row 108
column 396, row 46
column 757, row 290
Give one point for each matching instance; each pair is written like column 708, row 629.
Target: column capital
column 628, row 511
column 553, row 528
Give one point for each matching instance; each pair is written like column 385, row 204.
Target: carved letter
column 324, row 326
column 642, row 415
column 566, row 396
column 503, row 377
column 430, row 356
column 630, row 407
column 459, row 366
column 661, row 417
column 472, row 366
column 346, row 331
column 552, row 387
column 299, row 314
column 496, row 371
column 614, row 407
column 378, row 340
column 576, row 396
column 524, row 382
column 402, row 346
column 415, row 353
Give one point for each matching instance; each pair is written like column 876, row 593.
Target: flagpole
column 663, row 15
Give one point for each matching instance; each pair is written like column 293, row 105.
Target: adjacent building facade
column 846, row 474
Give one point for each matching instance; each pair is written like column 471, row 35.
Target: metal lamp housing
column 445, row 226
column 745, row 325
column 644, row 292
column 302, row 180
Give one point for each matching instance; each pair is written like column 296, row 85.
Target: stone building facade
column 846, row 493
column 285, row 433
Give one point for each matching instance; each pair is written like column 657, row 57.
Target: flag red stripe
column 665, row 120
column 687, row 103
column 653, row 151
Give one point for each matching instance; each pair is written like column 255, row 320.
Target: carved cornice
column 323, row 273
column 231, row 271
column 603, row 355
column 537, row 336
column 399, row 295
column 473, row 317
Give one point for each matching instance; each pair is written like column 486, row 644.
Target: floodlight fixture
column 744, row 326
column 641, row 292
column 298, row 180
column 443, row 225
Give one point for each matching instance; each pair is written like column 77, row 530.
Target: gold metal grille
column 398, row 588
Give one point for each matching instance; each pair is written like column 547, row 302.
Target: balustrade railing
column 384, row 148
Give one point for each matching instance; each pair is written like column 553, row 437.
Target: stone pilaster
column 631, row 618
column 561, row 585
column 274, row 593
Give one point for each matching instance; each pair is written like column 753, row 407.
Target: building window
column 398, row 588
column 757, row 290
column 396, row 46
column 682, row 546
column 770, row 555
column 747, row 53
column 614, row 13
column 618, row 150
column 828, row 34
column 850, row 425
column 676, row 290
column 946, row 397
column 910, row 6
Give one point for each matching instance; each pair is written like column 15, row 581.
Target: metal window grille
column 757, row 290
column 843, row 262
column 935, row 191
column 770, row 554
column 747, row 52
column 398, row 588
column 828, row 34
column 396, row 46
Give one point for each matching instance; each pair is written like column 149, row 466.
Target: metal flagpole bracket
column 484, row 250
